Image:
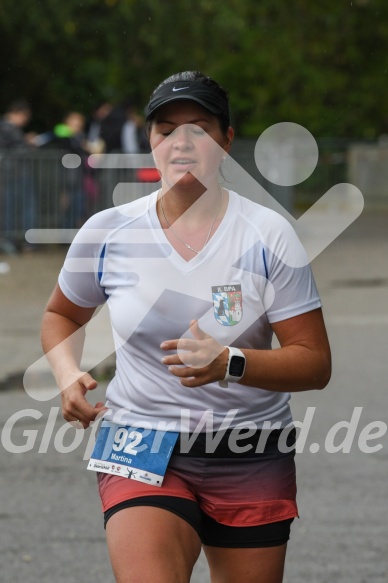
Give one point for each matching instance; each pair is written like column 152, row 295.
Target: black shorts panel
column 211, row 532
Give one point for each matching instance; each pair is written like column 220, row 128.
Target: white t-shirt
column 253, row 272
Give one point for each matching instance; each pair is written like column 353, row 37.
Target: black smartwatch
column 235, row 368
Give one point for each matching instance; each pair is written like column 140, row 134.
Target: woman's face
column 182, row 148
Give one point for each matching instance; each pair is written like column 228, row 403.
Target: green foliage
column 323, row 65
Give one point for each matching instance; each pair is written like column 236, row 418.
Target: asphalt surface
column 49, row 509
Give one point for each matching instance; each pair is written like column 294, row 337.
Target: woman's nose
column 182, row 137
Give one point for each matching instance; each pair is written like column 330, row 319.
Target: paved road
column 49, row 510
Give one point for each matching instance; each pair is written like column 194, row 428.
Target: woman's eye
column 198, row 131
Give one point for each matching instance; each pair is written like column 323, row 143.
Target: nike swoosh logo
column 179, row 88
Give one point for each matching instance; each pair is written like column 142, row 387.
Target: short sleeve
column 79, row 277
column 288, row 270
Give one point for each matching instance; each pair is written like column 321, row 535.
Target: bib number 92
column 128, row 441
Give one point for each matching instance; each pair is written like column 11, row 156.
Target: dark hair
column 17, row 106
column 200, row 78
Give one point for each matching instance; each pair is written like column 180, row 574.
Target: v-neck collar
column 212, row 245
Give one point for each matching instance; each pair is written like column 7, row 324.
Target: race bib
column 132, row 452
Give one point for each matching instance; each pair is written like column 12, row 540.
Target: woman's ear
column 229, row 138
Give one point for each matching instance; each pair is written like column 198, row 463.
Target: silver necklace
column 180, row 238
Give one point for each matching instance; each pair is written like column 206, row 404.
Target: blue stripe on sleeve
column 265, row 264
column 101, row 264
column 101, row 268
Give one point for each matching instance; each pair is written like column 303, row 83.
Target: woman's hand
column 75, row 407
column 63, row 334
column 205, row 358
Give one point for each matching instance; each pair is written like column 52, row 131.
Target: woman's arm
column 302, row 362
column 63, row 336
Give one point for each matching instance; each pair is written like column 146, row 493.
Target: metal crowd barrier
column 38, row 192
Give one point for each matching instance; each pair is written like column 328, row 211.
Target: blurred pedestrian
column 79, row 187
column 17, row 189
column 132, row 130
column 111, row 127
column 96, row 144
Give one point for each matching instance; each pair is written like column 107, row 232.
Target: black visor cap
column 189, row 90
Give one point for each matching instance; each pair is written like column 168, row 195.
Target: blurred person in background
column 121, row 131
column 120, row 127
column 111, row 127
column 96, row 144
column 79, row 188
column 133, row 137
column 17, row 191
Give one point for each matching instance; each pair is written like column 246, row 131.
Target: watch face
column 236, row 367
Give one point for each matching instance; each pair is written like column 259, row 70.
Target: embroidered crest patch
column 227, row 302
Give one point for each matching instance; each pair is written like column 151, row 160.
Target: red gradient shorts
column 245, row 490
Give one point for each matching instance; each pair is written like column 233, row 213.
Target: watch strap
column 228, row 377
